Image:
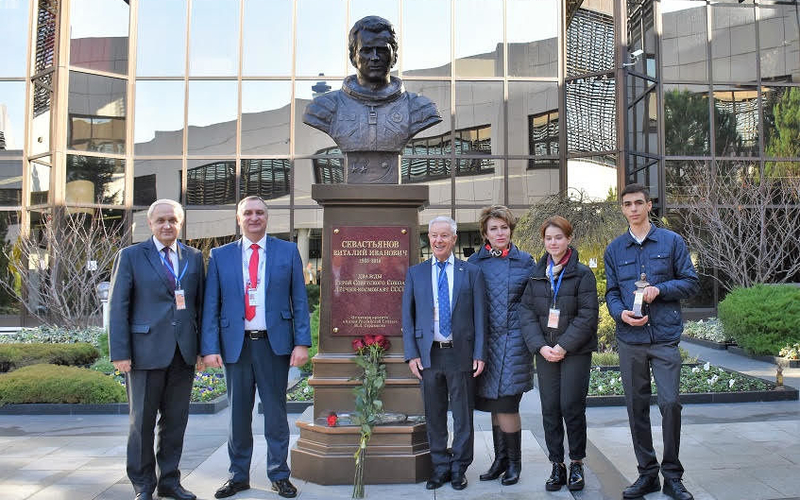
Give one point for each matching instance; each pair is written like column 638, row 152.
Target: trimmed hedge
column 13, row 356
column 762, row 319
column 59, row 384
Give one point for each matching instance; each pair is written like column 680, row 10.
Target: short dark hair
column 374, row 24
column 635, row 188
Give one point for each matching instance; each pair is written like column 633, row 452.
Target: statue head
column 373, row 49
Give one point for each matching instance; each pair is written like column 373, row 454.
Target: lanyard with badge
column 555, row 313
column 180, row 295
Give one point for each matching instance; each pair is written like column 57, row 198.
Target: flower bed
column 708, row 333
column 699, row 384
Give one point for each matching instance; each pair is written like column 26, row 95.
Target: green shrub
column 606, row 330
column 13, row 356
column 762, row 319
column 103, row 365
column 59, row 384
column 102, row 344
column 312, row 291
column 312, row 351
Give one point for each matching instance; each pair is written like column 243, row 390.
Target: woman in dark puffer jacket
column 558, row 314
column 509, row 364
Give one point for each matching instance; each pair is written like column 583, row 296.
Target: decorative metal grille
column 46, row 28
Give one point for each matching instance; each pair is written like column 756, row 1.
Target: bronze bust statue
column 372, row 117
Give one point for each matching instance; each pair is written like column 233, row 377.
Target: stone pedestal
column 396, row 453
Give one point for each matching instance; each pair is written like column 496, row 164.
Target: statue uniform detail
column 371, row 121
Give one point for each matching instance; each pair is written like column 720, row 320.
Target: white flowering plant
column 694, row 379
column 710, row 329
column 790, row 351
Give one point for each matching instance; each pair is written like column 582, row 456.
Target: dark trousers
column 258, row 367
column 441, row 384
column 635, row 362
column 562, row 390
column 166, row 391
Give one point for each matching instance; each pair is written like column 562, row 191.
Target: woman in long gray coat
column 509, row 363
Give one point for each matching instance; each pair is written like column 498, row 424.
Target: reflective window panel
column 268, row 178
column 95, row 44
column 434, row 140
column 212, row 117
column 680, row 178
column 532, row 38
column 782, row 169
column 591, row 115
column 687, row 131
column 272, row 55
column 10, row 183
column 529, row 181
column 158, row 122
column 387, row 9
column 736, row 121
column 156, row 179
column 643, row 170
column 732, row 175
column 321, row 40
column 205, row 229
column 214, row 38
column 97, row 110
column 779, row 42
column 424, row 169
column 325, row 170
column 161, row 42
column 12, row 118
column 479, row 182
column 95, row 180
column 265, row 117
column 780, row 130
column 590, row 40
column 311, row 219
column 479, row 38
column 308, row 140
column 596, row 176
column 211, row 182
column 279, row 220
column 733, row 44
column 13, row 37
column 479, row 118
column 685, row 40
column 40, row 124
column 533, row 120
column 39, row 186
column 425, row 47
column 9, row 232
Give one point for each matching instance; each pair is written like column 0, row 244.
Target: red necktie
column 250, row 311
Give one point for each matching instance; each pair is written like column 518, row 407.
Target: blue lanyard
column 168, row 265
column 553, row 285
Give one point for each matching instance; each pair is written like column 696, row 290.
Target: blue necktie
column 444, row 301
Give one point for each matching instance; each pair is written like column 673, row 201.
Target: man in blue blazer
column 255, row 321
column 156, row 304
column 444, row 331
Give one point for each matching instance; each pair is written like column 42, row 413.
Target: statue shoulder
column 320, row 112
column 423, row 112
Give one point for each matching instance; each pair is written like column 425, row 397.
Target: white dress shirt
column 173, row 256
column 435, row 282
column 259, row 321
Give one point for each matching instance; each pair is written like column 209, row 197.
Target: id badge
column 552, row 318
column 252, row 297
column 180, row 300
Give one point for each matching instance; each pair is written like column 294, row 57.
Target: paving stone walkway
column 747, row 451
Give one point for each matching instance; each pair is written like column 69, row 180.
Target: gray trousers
column 635, row 362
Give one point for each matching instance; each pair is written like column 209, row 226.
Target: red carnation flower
column 332, row 419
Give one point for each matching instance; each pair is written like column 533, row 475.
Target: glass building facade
column 107, row 105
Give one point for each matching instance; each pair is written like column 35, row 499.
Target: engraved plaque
column 368, row 270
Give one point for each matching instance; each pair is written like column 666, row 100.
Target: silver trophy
column 638, row 296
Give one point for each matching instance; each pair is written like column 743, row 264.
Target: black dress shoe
column 143, row 496
column 558, row 477
column 284, row 488
column 437, row 480
column 231, row 488
column 642, row 486
column 575, row 480
column 177, row 492
column 674, row 488
column 459, row 481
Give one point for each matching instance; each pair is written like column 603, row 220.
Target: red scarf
column 497, row 253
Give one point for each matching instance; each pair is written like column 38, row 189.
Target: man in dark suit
column 444, row 327
column 156, row 306
column 256, row 322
